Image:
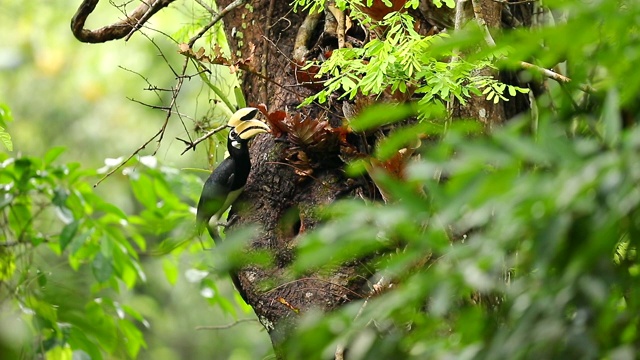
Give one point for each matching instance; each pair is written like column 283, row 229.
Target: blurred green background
column 77, row 96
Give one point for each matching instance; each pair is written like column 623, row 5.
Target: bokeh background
column 85, row 98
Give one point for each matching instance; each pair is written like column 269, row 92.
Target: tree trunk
column 280, row 201
column 277, row 197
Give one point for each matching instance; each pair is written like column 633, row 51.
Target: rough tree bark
column 122, row 29
column 275, row 190
column 478, row 107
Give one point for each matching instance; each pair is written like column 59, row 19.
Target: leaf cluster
column 404, row 62
column 50, row 212
column 516, row 247
column 517, row 244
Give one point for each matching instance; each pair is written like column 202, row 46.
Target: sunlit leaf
column 170, row 270
column 5, row 139
column 382, row 114
column 611, row 118
column 143, row 189
column 53, row 154
column 68, row 233
column 134, row 338
column 102, row 267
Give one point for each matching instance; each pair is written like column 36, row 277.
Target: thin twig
column 207, row 7
column 507, row 2
column 289, row 60
column 215, row 19
column 162, row 108
column 223, row 327
column 375, row 289
column 477, row 12
column 155, row 107
column 122, row 163
column 192, row 144
column 173, row 104
column 546, row 72
column 159, row 135
column 151, row 86
column 153, row 8
column 523, row 64
column 161, row 53
column 313, row 279
column 265, row 50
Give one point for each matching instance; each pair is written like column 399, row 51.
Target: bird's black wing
column 215, row 191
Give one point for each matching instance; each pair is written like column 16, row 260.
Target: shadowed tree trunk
column 279, row 200
column 277, row 197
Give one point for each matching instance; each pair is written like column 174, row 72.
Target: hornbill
column 227, row 181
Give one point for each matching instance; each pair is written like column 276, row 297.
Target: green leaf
column 240, row 101
column 7, row 265
column 215, row 89
column 348, row 84
column 102, row 267
column 60, row 353
column 170, row 270
column 611, row 118
column 5, row 114
column 42, row 278
column 134, row 339
column 5, row 138
column 83, row 347
column 53, row 154
column 111, row 209
column 143, row 190
column 382, row 114
column 67, row 234
column 79, row 241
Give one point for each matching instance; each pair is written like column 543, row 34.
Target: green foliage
column 88, row 255
column 5, row 116
column 5, row 138
column 318, row 5
column 406, row 62
column 517, row 244
column 526, row 227
column 50, row 211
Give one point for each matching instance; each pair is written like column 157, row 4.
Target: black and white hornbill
column 227, row 181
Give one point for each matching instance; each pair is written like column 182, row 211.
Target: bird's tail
column 215, row 234
column 211, row 229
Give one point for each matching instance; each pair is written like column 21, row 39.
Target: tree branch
column 160, row 134
column 215, row 19
column 192, row 144
column 121, row 29
column 207, row 7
